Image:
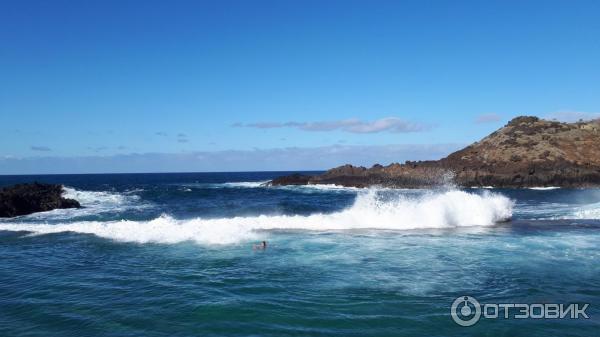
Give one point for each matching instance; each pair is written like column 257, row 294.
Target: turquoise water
column 171, row 255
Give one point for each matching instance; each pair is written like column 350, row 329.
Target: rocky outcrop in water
column 527, row 152
column 25, row 199
column 293, row 179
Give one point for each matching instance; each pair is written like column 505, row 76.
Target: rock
column 294, row 179
column 527, row 152
column 25, row 199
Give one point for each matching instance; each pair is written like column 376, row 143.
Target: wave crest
column 370, row 211
column 91, row 198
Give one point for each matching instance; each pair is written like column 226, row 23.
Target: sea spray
column 371, row 210
column 91, row 198
column 93, row 203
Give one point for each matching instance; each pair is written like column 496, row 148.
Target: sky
column 180, row 86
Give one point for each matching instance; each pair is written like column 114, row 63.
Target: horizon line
column 171, row 172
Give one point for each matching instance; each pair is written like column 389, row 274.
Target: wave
column 324, row 188
column 91, row 198
column 311, row 188
column 329, row 187
column 370, row 211
column 546, row 188
column 559, row 211
column 588, row 212
column 240, row 184
column 93, row 202
column 246, row 184
column 264, row 184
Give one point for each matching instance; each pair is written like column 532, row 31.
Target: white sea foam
column 330, row 187
column 239, row 184
column 591, row 211
column 435, row 210
column 546, row 188
column 246, row 184
column 566, row 210
column 319, row 188
column 93, row 202
column 264, row 184
column 91, row 198
column 560, row 211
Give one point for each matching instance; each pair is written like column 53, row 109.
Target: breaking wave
column 447, row 209
column 93, row 202
column 93, row 198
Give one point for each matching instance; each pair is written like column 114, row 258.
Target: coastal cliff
column 527, row 152
column 25, row 199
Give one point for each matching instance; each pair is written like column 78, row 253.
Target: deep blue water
column 171, row 255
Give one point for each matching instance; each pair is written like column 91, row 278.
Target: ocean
column 172, row 255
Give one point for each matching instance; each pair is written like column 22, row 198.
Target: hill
column 527, row 152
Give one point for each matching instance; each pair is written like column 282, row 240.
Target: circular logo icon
column 465, row 311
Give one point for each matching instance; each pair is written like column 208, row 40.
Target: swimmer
column 261, row 246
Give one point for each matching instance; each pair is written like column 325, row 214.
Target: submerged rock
column 527, row 152
column 23, row 199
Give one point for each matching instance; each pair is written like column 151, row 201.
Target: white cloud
column 353, row 125
column 488, row 118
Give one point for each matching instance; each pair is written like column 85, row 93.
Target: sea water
column 171, row 255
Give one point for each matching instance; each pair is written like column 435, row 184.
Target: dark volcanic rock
column 25, row 199
column 527, row 152
column 294, row 179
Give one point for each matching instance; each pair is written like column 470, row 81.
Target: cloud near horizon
column 572, row 116
column 488, row 118
column 352, row 125
column 274, row 159
column 40, row 148
column 182, row 138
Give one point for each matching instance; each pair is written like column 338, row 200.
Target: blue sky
column 114, row 81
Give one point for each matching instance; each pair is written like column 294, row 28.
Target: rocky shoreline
column 527, row 152
column 23, row 199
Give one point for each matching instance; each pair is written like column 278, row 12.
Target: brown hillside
column 526, row 152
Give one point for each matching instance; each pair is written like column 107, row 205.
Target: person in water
column 262, row 245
